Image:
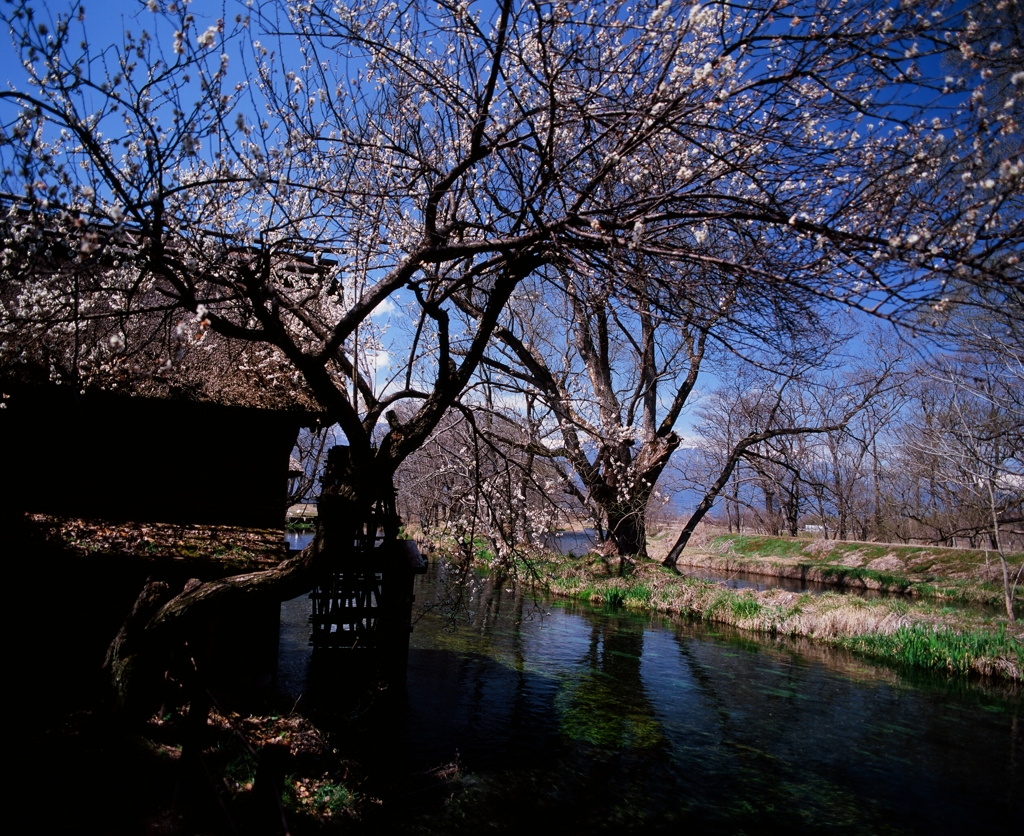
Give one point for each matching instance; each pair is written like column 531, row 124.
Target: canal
column 520, row 711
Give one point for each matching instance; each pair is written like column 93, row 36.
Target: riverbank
column 959, row 575
column 920, row 632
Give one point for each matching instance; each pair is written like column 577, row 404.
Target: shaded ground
column 240, row 773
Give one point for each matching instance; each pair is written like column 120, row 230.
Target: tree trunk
column 628, row 530
column 141, row 652
column 736, row 506
column 135, row 677
column 771, row 520
column 738, row 452
column 705, row 505
column 876, row 479
column 793, row 511
column 1008, row 588
column 627, row 518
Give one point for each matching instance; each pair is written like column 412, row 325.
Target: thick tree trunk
column 627, row 519
column 141, row 652
column 793, row 514
column 628, row 531
column 135, row 676
column 287, row 580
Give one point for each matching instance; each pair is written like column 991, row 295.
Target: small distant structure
column 295, row 472
column 301, row 514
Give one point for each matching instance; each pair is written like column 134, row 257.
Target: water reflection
column 298, row 539
column 604, row 702
column 539, row 709
column 749, row 580
column 572, row 542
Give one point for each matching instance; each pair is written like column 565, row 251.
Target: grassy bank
column 917, row 632
column 966, row 575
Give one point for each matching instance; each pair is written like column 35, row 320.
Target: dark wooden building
column 106, row 456
column 139, row 444
column 104, row 491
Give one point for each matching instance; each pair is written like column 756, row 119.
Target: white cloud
column 378, row 360
column 384, row 309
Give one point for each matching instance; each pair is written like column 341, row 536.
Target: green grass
column 241, row 768
column 744, row 607
column 938, row 649
column 318, row 798
column 334, row 798
column 844, row 574
column 637, row 596
column 925, row 571
column 631, row 596
column 942, row 557
column 756, row 546
column 722, row 599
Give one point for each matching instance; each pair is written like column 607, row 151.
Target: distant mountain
column 681, row 482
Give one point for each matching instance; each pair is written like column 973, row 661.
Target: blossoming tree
column 825, row 156
column 275, row 175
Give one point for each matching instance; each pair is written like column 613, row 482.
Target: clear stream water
column 521, row 713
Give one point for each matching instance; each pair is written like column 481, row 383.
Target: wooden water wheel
column 364, row 605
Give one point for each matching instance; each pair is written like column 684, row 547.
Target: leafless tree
column 775, row 426
column 477, row 479
column 963, row 443
column 310, row 455
column 843, row 469
column 612, row 334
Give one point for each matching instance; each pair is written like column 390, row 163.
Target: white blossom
column 208, row 39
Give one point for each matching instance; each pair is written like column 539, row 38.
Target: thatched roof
column 102, row 321
column 243, row 549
